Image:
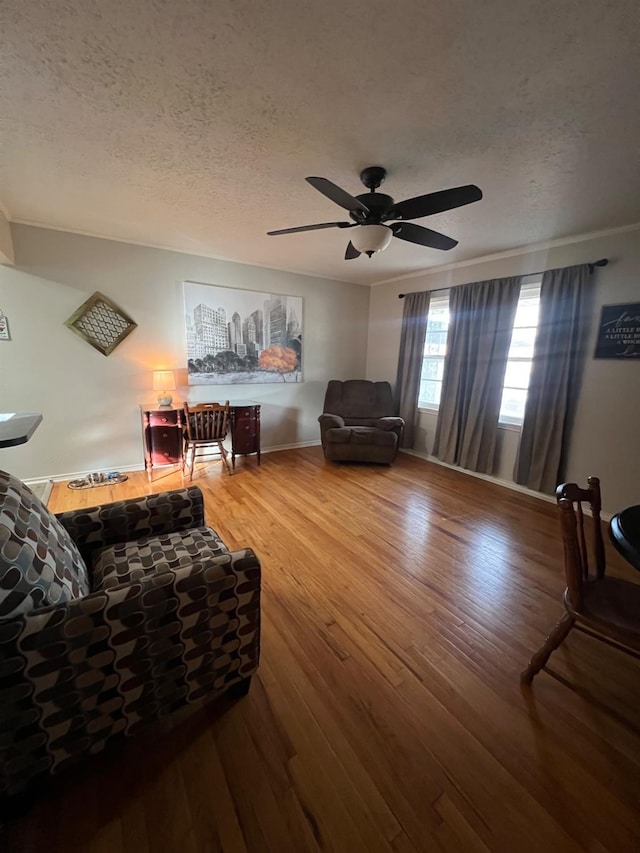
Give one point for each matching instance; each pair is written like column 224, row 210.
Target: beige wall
column 90, row 402
column 606, row 438
column 6, row 243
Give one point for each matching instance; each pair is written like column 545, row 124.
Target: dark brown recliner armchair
column 358, row 423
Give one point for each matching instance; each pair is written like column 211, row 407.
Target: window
column 516, row 380
column 435, row 347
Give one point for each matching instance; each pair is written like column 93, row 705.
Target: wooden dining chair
column 206, row 426
column 604, row 607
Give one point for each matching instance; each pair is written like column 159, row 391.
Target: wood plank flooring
column 399, row 606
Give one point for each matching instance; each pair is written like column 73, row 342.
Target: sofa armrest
column 150, row 515
column 80, row 672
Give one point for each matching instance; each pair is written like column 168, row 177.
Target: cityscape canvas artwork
column 241, row 337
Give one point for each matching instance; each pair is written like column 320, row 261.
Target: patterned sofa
column 111, row 617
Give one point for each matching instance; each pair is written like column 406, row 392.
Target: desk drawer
column 242, row 412
column 168, row 418
column 165, row 444
column 246, row 441
column 245, row 431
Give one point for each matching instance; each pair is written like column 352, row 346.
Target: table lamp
column 164, row 381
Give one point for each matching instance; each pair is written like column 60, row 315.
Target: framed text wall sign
column 619, row 331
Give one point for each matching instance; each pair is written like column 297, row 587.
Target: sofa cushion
column 131, row 561
column 39, row 562
column 361, row 435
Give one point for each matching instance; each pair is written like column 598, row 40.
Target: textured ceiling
column 191, row 124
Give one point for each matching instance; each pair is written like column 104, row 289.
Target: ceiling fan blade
column 311, row 228
column 351, row 252
column 426, row 205
column 338, row 195
column 422, row 236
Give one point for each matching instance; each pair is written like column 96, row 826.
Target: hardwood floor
column 399, row 606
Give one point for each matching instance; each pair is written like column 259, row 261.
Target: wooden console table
column 163, row 426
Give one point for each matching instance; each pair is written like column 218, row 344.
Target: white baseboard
column 43, row 493
column 506, row 484
column 295, row 446
column 77, row 475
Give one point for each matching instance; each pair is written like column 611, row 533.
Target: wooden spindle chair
column 604, row 607
column 206, row 426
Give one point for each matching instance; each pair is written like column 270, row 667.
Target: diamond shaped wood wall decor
column 101, row 323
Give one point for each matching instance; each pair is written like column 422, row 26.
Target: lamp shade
column 371, row 238
column 164, row 381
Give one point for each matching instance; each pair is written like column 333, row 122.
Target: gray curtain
column 414, row 327
column 480, row 326
column 558, row 358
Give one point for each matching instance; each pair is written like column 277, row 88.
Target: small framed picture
column 100, row 322
column 4, row 328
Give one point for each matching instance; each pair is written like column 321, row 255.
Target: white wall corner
column 6, row 241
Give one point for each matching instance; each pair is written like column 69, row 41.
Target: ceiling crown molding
column 512, row 253
column 168, row 248
column 480, row 259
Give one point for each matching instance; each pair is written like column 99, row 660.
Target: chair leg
column 552, row 642
column 225, row 456
column 193, row 460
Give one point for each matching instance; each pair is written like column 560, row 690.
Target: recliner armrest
column 388, row 423
column 329, row 421
column 150, row 515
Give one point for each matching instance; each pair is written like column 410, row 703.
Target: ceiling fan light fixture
column 370, row 239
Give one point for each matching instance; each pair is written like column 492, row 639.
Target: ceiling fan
column 370, row 211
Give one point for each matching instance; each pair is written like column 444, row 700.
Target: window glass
column 430, row 393
column 512, row 407
column 516, row 380
column 517, row 374
column 435, row 348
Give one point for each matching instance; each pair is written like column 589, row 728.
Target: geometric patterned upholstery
column 39, row 562
column 132, row 561
column 79, row 672
column 122, row 521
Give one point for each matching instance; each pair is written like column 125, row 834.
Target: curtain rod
column 601, row 263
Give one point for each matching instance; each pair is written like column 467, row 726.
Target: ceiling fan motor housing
column 379, row 204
